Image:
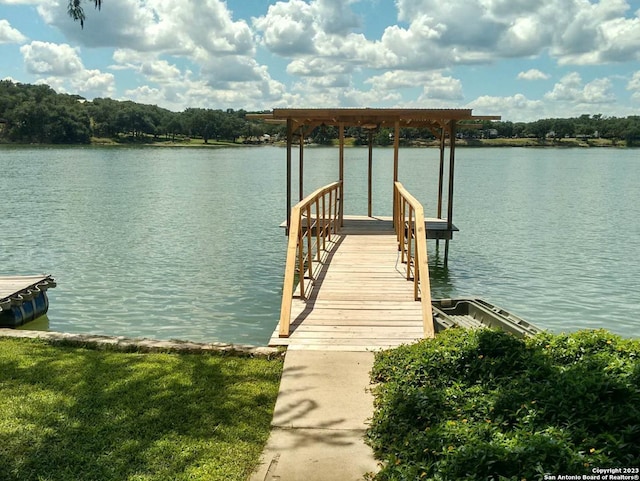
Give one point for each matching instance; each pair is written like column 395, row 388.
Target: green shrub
column 484, row 405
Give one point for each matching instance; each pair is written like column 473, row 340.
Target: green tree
column 324, row 134
column 562, row 128
column 539, row 129
column 383, row 137
column 173, row 126
column 103, row 113
column 505, row 129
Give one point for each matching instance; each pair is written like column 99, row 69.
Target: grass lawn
column 69, row 413
column 483, row 405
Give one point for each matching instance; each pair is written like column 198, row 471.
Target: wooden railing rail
column 409, row 225
column 313, row 220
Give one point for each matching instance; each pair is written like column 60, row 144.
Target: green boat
column 477, row 313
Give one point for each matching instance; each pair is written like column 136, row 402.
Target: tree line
column 37, row 114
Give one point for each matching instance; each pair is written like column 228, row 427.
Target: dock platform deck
column 23, row 298
column 11, row 286
column 362, row 299
column 436, row 228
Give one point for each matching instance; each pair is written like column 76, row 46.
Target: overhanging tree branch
column 76, row 12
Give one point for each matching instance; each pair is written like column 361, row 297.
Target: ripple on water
column 144, row 242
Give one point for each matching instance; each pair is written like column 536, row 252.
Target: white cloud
column 22, row 2
column 443, row 88
column 46, row 58
column 88, row 83
column 237, row 82
column 438, row 35
column 119, row 23
column 8, row 34
column 288, row 28
column 328, row 82
column 152, row 68
column 533, row 74
column 574, row 31
column 310, row 93
column 335, row 16
column 184, row 27
column 517, row 108
column 60, row 66
column 434, row 85
column 572, row 89
column 221, row 72
column 184, row 53
column 634, row 86
column 166, row 41
column 598, row 33
column 316, row 66
column 93, row 83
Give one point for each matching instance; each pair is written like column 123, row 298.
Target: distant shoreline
column 350, row 142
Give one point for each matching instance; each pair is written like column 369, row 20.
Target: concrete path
column 320, row 418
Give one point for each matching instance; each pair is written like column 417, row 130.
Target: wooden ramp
column 361, row 298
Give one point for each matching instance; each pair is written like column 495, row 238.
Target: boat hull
column 474, row 313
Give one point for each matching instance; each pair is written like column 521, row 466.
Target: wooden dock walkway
column 361, row 299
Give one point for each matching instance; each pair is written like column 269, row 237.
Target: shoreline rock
column 143, row 345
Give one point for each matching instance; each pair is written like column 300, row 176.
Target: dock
column 352, row 285
column 361, row 299
column 23, row 298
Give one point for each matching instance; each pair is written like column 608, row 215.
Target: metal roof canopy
column 442, row 123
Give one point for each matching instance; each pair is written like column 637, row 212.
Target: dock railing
column 409, row 225
column 313, row 221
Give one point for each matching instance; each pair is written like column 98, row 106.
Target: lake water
column 179, row 243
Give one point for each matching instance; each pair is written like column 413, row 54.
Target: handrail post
column 318, row 228
column 309, row 237
column 300, row 256
column 296, row 257
column 289, row 274
column 416, row 232
column 324, row 221
column 409, row 242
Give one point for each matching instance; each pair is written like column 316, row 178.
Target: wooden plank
column 381, row 333
column 371, row 322
column 341, row 317
column 358, row 304
column 359, row 298
column 369, row 342
column 11, row 285
column 345, row 347
column 339, row 335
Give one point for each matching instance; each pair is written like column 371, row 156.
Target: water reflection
column 39, row 324
column 442, row 285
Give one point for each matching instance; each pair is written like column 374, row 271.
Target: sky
column 521, row 59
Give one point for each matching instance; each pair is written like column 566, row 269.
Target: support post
column 301, row 167
column 370, row 178
column 289, row 143
column 452, row 159
column 396, row 150
column 443, row 136
column 341, row 172
column 441, row 175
